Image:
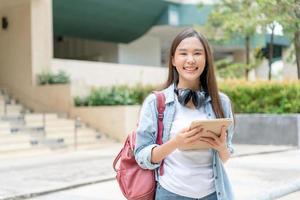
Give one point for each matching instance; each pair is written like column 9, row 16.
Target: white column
column 41, row 36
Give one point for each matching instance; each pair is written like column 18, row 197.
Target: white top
column 188, row 173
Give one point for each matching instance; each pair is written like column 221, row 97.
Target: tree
column 268, row 18
column 236, row 18
column 287, row 14
column 290, row 20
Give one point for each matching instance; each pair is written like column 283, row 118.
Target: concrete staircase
column 60, row 130
column 22, row 130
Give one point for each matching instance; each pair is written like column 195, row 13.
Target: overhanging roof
column 123, row 21
column 107, row 20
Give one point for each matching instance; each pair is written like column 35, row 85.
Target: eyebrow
column 194, row 49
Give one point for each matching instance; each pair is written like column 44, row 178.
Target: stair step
column 22, row 131
column 11, row 117
column 15, row 139
column 4, row 125
column 72, row 136
column 39, row 117
column 11, row 108
column 14, row 146
column 4, row 132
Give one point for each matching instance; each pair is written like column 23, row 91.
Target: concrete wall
column 47, row 98
column 81, row 49
column 290, row 71
column 25, row 50
column 268, row 129
column 26, row 46
column 85, row 74
column 15, row 45
column 260, row 129
column 143, row 51
column 290, row 68
column 115, row 121
column 262, row 71
column 41, row 36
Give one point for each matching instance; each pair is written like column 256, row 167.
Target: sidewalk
column 265, row 176
column 292, row 196
column 255, row 174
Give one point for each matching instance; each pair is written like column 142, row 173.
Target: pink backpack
column 137, row 183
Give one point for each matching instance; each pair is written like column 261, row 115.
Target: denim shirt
column 146, row 134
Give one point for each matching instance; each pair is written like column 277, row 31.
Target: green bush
column 80, row 101
column 228, row 69
column 116, row 95
column 263, row 97
column 49, row 78
column 246, row 97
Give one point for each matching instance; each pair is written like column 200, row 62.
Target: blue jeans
column 163, row 194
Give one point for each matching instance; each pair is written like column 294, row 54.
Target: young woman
column 191, row 93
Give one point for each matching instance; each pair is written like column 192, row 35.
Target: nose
column 190, row 59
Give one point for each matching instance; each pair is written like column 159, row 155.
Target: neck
column 191, row 85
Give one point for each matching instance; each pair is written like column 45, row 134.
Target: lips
column 190, row 69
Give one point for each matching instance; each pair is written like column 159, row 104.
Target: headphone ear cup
column 195, row 99
column 183, row 96
column 180, row 99
column 187, row 96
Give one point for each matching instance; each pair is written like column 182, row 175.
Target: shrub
column 80, row 101
column 49, row 78
column 263, row 97
column 246, row 97
column 116, row 95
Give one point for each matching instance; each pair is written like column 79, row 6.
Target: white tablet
column 214, row 125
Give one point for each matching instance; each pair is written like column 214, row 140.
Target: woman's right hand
column 188, row 136
column 184, row 137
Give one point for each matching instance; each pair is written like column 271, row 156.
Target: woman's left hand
column 218, row 143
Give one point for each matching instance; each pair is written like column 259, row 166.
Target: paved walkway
column 88, row 175
column 265, row 176
column 292, row 196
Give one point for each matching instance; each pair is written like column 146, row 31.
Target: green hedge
column 45, row 78
column 263, row 97
column 117, row 95
column 247, row 97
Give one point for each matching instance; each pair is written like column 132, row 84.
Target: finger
column 215, row 141
column 211, row 134
column 198, row 126
column 192, row 139
column 193, row 132
column 208, row 141
column 184, row 130
column 223, row 133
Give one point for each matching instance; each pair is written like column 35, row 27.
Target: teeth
column 190, row 69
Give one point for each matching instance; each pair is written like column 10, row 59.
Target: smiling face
column 189, row 60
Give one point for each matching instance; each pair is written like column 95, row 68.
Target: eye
column 198, row 53
column 182, row 54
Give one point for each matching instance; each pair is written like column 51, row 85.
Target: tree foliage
column 236, row 18
column 243, row 17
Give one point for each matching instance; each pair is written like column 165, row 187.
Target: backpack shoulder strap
column 160, row 109
column 160, row 96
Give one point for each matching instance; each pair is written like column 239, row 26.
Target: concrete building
column 96, row 42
